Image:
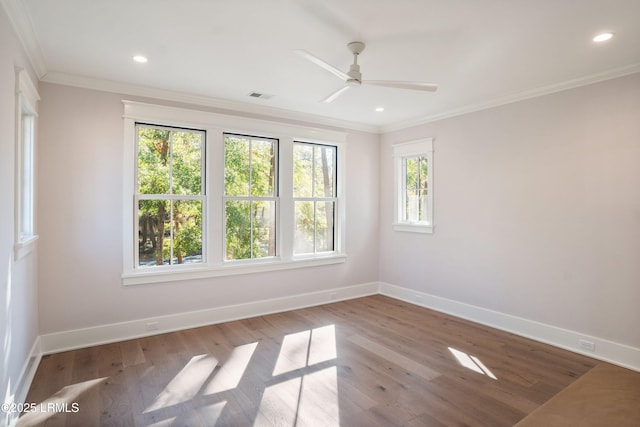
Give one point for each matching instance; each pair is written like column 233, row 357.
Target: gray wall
column 18, row 296
column 536, row 211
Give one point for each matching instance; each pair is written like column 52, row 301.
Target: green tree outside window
column 170, row 195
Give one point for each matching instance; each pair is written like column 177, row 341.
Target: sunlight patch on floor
column 311, row 397
column 323, row 345
column 320, row 386
column 212, row 412
column 472, row 362
column 63, row 401
column 231, row 371
column 186, row 384
column 296, row 401
column 306, row 348
column 279, row 404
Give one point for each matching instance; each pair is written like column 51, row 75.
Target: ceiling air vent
column 260, row 95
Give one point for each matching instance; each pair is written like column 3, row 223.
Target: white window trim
column 215, row 125
column 26, row 104
column 421, row 147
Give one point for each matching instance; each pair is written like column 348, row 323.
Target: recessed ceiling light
column 379, row 109
column 602, row 37
column 141, row 59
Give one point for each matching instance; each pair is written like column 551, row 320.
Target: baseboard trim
column 103, row 334
column 605, row 350
column 28, row 371
column 23, row 384
column 608, row 351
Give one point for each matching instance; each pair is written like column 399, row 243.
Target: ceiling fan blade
column 312, row 58
column 335, row 94
column 427, row 87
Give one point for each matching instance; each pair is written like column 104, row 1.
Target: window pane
column 305, row 228
column 250, row 229
column 236, row 165
column 416, row 169
column 412, row 204
column 314, row 178
column 411, row 166
column 187, row 162
column 153, row 160
column 423, row 171
column 27, row 191
column 302, row 170
column 238, row 229
column 187, row 231
column 264, row 229
column 153, row 232
column 423, row 205
column 324, row 226
column 324, row 170
column 263, row 167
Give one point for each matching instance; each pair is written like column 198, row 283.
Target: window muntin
column 170, row 195
column 314, row 197
column 250, row 196
column 414, row 186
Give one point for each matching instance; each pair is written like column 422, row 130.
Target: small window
column 250, row 196
column 170, row 195
column 26, row 115
column 414, row 186
column 314, row 196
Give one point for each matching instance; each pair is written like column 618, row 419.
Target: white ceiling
column 480, row 52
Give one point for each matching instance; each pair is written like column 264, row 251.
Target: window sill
column 230, row 269
column 413, row 228
column 24, row 247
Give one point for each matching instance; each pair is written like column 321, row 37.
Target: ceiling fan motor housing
column 354, row 71
column 355, row 75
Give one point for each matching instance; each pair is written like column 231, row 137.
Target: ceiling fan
column 354, row 78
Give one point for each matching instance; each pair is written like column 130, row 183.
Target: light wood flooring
column 371, row 361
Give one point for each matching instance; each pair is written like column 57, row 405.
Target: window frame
column 250, row 198
column 315, row 199
column 401, row 152
column 216, row 125
column 26, row 115
column 172, row 197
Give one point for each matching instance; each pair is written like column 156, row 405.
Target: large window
column 314, row 193
column 252, row 196
column 414, row 186
column 27, row 98
column 170, row 195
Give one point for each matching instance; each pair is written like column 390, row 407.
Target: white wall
column 537, row 211
column 80, row 178
column 18, row 300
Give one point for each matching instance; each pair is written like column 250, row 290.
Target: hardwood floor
column 365, row 362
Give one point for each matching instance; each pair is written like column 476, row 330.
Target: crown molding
column 205, row 101
column 23, row 28
column 520, row 96
column 19, row 18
